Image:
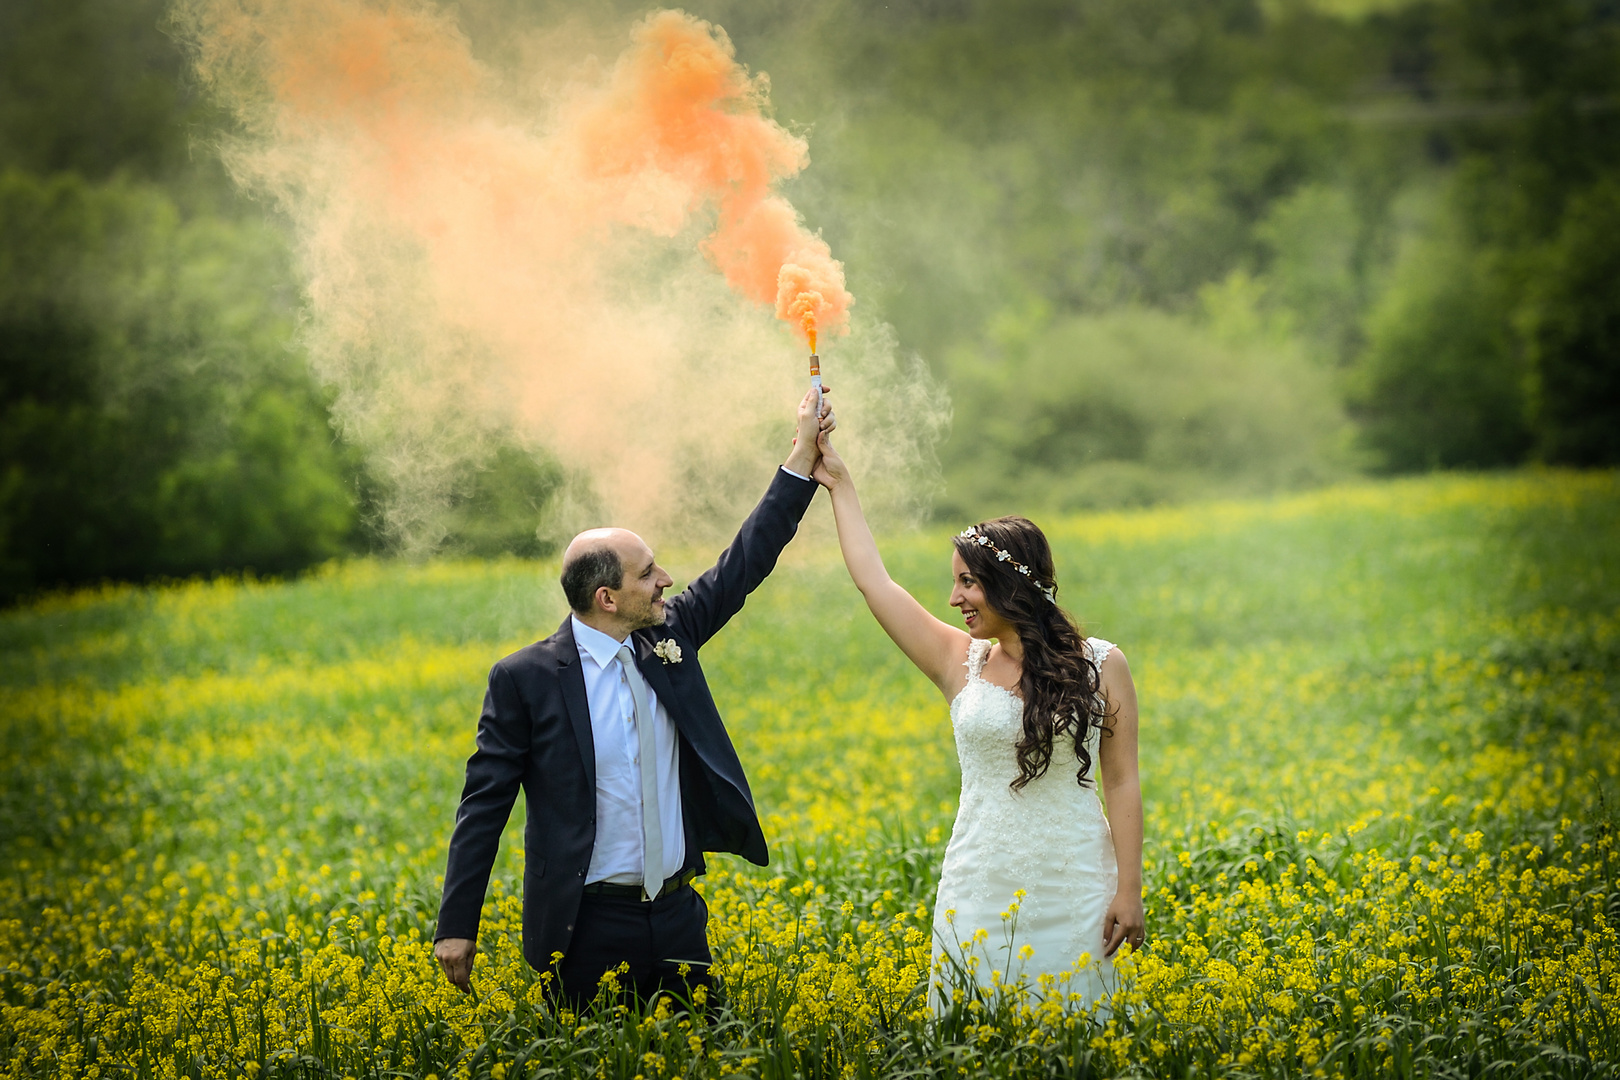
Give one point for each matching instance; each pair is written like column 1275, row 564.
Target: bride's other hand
column 1122, row 792
column 1125, row 921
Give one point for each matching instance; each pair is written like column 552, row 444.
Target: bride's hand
column 1125, row 921
column 830, row 471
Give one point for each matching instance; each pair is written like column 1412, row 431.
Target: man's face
column 640, row 599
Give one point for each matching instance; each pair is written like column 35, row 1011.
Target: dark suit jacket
column 535, row 732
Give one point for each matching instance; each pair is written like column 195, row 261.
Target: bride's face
column 967, row 594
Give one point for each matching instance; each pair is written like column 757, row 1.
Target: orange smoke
column 681, row 109
column 678, row 128
column 529, row 250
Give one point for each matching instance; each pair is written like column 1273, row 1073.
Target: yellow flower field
column 1381, row 737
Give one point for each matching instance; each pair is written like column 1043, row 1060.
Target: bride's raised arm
column 936, row 648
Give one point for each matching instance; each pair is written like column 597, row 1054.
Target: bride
column 1037, row 883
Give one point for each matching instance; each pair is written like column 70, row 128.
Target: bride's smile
column 967, row 596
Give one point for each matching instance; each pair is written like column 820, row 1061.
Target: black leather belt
column 633, row 892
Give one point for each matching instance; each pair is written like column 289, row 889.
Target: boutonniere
column 668, row 651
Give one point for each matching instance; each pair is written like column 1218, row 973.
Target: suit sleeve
column 494, row 775
column 718, row 594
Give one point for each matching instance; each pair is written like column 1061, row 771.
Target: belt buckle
column 670, row 885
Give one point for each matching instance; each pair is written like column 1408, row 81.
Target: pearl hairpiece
column 972, row 533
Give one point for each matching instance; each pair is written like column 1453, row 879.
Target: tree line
column 1156, row 249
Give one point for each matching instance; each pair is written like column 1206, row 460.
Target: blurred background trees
column 1156, row 249
column 154, row 419
column 1392, row 215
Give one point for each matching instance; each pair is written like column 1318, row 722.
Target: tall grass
column 1379, row 754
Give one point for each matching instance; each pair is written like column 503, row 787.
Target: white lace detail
column 978, row 652
column 1049, row 839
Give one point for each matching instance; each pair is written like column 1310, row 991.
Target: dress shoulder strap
column 1099, row 649
column 977, row 652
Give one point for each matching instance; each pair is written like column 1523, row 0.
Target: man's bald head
column 596, row 559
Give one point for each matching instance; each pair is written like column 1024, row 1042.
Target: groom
column 609, row 728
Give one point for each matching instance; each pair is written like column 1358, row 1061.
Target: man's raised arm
column 717, row 594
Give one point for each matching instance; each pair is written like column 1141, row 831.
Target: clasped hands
column 811, row 433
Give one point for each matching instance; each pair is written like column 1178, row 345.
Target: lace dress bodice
column 1049, row 839
column 988, row 721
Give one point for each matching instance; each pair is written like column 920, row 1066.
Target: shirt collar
column 601, row 648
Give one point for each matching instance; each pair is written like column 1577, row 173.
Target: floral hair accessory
column 972, row 533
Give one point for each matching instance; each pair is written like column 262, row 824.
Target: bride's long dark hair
column 1060, row 683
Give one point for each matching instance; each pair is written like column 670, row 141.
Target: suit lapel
column 697, row 734
column 572, row 680
column 708, row 742
column 652, row 669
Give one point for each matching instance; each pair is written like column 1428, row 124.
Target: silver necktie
column 652, row 855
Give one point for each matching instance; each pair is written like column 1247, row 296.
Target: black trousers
column 656, row 939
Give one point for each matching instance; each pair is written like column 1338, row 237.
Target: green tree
column 153, row 417
column 95, row 87
column 1442, row 383
column 1537, row 191
column 1574, row 336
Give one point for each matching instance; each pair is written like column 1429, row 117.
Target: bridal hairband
column 972, row 533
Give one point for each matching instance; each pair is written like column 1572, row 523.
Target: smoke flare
column 480, row 268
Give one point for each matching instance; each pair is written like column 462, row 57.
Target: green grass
column 224, row 809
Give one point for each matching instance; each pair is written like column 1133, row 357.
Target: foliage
column 1442, row 382
column 503, row 504
column 984, row 164
column 1533, row 293
column 1137, row 407
column 1574, row 342
column 1379, row 757
column 1085, row 155
column 1413, row 199
column 155, row 419
column 94, row 87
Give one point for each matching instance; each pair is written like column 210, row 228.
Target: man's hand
column 806, row 454
column 455, row 956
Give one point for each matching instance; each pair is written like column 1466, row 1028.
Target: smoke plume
column 592, row 276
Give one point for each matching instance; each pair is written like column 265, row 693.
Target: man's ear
column 604, row 601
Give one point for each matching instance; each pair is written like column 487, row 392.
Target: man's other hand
column 455, row 956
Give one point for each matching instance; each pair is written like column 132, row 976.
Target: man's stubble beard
column 653, row 616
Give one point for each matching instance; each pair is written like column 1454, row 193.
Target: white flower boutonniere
column 668, row 651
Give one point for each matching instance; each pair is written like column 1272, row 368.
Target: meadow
column 1380, row 745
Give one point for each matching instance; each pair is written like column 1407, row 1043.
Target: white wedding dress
column 1049, row 840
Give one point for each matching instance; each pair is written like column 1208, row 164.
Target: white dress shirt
column 617, row 857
